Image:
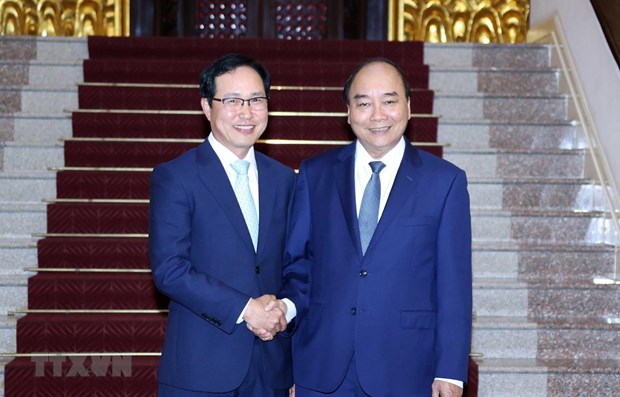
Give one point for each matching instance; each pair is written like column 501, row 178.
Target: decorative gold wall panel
column 440, row 21
column 78, row 18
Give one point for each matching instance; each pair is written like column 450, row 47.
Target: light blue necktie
column 244, row 197
column 369, row 209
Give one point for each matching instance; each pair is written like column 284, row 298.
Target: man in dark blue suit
column 217, row 226
column 378, row 257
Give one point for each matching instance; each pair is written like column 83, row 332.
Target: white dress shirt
column 227, row 158
column 392, row 160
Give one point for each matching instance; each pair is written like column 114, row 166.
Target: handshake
column 265, row 316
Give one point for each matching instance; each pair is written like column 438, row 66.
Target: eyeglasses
column 256, row 103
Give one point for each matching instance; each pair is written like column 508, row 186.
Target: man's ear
column 348, row 114
column 206, row 109
column 409, row 108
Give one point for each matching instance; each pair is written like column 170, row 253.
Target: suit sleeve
column 170, row 228
column 454, row 283
column 298, row 250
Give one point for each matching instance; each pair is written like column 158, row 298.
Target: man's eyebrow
column 363, row 96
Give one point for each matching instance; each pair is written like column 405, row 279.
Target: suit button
column 363, row 273
column 353, row 311
column 257, row 269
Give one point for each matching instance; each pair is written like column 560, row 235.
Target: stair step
column 91, row 332
column 25, row 157
column 500, row 298
column 537, row 194
column 494, row 81
column 557, row 300
column 500, row 226
column 19, row 48
column 266, row 50
column 56, row 75
column 16, row 254
column 41, row 74
column 97, row 218
column 61, row 49
column 21, row 220
column 542, row 227
column 179, row 125
column 573, row 300
column 103, row 184
column 548, row 378
column 505, row 337
column 579, row 339
column 188, row 98
column 135, row 376
column 94, row 291
column 484, row 134
column 32, row 100
column 557, row 164
column 551, row 262
column 512, row 377
column 523, row 56
column 3, row 363
column 501, row 107
column 26, row 187
column 592, row 338
column 13, row 292
column 328, row 73
column 39, row 129
column 486, row 193
column 7, row 333
column 14, row 73
column 149, row 154
column 93, row 252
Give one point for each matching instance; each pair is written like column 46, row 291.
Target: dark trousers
column 350, row 387
column 254, row 384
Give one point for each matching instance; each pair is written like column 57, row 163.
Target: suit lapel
column 213, row 175
column 344, row 176
column 266, row 201
column 403, row 190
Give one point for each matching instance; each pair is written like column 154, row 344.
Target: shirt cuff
column 453, row 381
column 291, row 310
column 240, row 319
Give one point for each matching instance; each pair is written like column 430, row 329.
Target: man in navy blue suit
column 217, row 226
column 378, row 257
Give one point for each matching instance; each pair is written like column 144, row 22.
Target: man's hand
column 264, row 317
column 446, row 389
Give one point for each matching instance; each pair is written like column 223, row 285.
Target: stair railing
column 553, row 34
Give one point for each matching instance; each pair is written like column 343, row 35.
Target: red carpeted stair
column 139, row 106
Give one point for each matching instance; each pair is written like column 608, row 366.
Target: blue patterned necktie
column 244, row 197
column 369, row 209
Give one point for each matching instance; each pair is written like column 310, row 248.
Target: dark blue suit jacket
column 202, row 257
column 405, row 307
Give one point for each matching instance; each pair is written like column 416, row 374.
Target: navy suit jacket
column 404, row 309
column 202, row 257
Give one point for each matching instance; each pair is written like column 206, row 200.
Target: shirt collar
column 227, row 157
column 391, row 159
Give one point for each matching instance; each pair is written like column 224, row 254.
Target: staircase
column 38, row 81
column 541, row 224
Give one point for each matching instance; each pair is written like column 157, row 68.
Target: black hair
column 228, row 63
column 347, row 85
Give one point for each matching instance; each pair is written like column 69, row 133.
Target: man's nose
column 245, row 110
